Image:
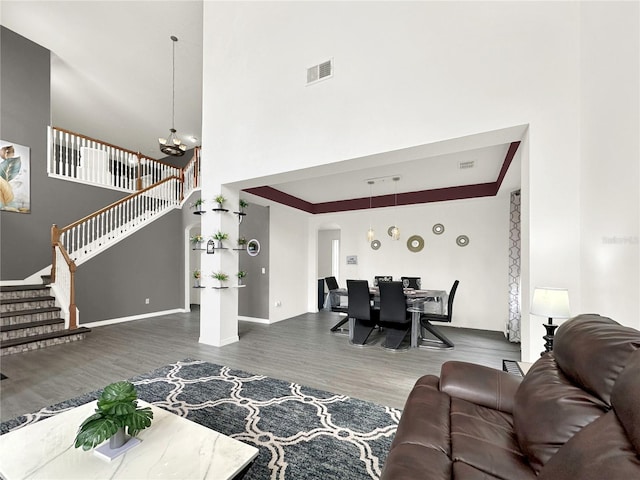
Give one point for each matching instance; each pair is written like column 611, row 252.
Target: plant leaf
column 9, row 168
column 93, row 433
column 139, row 420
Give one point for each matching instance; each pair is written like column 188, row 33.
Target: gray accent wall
column 148, row 264
column 253, row 300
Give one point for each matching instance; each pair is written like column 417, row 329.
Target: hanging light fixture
column 370, row 232
column 395, row 231
column 173, row 145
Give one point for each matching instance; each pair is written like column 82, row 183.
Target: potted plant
column 197, row 275
column 197, row 239
column 241, row 274
column 220, row 201
column 243, row 204
column 221, row 277
column 117, row 410
column 220, row 236
column 242, row 242
column 198, row 205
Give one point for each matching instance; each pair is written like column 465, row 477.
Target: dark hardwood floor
column 300, row 349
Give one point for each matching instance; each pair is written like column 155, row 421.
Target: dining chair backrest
column 359, row 299
column 393, row 304
column 381, row 278
column 452, row 294
column 411, row 282
column 332, row 283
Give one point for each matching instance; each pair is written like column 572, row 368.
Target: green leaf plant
column 117, row 407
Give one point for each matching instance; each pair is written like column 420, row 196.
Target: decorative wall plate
column 415, row 243
column 376, row 244
column 438, row 229
column 462, row 241
column 390, row 230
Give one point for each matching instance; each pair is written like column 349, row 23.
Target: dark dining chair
column 394, row 316
column 441, row 342
column 334, row 301
column 362, row 317
column 381, row 278
column 411, row 282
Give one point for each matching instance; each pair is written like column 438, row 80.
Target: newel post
column 138, row 172
column 55, row 238
column 181, row 185
column 196, row 169
column 72, row 296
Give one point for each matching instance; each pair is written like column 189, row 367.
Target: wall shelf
column 199, row 286
column 199, row 212
column 219, row 288
column 220, row 209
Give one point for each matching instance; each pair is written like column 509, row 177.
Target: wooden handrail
column 115, row 204
column 138, row 154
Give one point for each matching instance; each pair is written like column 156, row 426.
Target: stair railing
column 63, row 271
column 76, row 157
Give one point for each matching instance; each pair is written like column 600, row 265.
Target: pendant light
column 370, row 232
column 173, row 145
column 395, row 231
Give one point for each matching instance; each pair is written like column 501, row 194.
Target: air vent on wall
column 320, row 72
column 468, row 164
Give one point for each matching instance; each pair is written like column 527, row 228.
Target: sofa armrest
column 478, row 384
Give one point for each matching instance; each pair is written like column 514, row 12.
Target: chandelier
column 173, row 145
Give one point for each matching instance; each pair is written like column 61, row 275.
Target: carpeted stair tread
column 45, row 336
column 27, row 299
column 39, row 323
column 33, row 311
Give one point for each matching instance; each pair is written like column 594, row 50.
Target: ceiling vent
column 320, row 72
column 465, row 165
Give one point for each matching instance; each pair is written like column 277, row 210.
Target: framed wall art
column 15, row 176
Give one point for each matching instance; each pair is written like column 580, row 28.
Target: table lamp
column 551, row 303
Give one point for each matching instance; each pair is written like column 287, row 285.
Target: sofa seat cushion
column 484, row 438
column 466, row 472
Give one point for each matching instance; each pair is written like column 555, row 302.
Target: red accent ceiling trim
column 407, row 198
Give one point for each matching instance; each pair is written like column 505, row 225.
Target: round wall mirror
column 253, row 247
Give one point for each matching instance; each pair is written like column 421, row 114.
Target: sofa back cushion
column 570, row 388
column 610, row 446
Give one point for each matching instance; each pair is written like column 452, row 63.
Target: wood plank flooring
column 300, row 349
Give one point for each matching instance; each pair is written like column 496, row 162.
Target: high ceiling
column 111, row 78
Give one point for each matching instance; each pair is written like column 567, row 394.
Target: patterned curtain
column 513, row 325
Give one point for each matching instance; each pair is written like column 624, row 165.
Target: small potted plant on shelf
column 117, row 411
column 197, row 240
column 197, row 275
column 198, row 205
column 242, row 243
column 221, row 277
column 220, row 201
column 243, row 204
column 241, row 274
column 220, row 236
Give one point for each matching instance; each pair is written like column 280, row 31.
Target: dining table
column 419, row 301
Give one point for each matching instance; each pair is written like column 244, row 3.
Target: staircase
column 29, row 320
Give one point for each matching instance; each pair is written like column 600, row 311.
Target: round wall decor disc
column 415, row 243
column 376, row 244
column 462, row 241
column 438, row 229
column 390, row 230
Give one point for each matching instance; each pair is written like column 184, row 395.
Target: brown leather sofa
column 574, row 416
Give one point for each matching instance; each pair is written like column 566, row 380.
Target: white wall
column 482, row 266
column 418, row 72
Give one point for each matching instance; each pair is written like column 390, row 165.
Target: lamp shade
column 550, row 302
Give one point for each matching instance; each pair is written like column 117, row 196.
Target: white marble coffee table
column 172, row 447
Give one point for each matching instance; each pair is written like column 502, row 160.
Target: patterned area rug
column 302, row 433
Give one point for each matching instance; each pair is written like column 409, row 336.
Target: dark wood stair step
column 26, row 299
column 45, row 336
column 39, row 323
column 18, row 288
column 33, row 311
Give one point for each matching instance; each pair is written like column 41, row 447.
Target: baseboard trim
column 264, row 321
column 112, row 321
